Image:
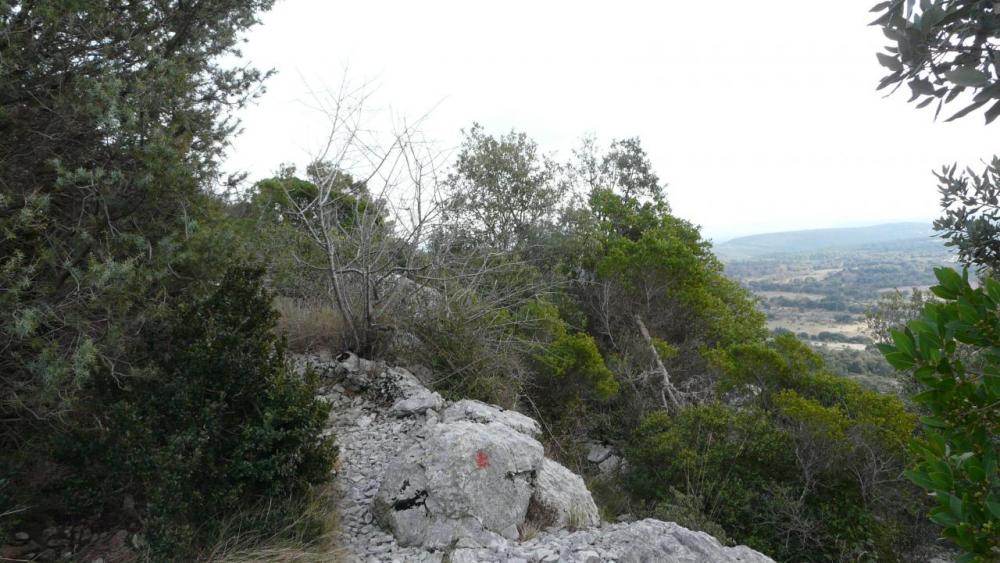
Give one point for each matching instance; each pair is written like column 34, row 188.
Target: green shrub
column 811, row 476
column 727, row 459
column 954, row 352
column 473, row 358
column 218, row 423
column 571, row 359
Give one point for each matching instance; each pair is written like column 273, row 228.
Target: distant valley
column 901, row 236
column 819, row 283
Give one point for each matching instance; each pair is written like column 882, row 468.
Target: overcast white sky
column 761, row 116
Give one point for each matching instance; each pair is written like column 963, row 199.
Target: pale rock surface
column 604, row 457
column 597, row 452
column 418, row 403
column 464, row 480
column 645, row 541
column 562, row 498
column 610, row 464
column 477, row 411
column 427, row 461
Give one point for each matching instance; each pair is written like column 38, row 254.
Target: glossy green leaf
column 949, row 278
column 900, row 360
column 991, row 383
column 904, row 342
column 943, row 292
column 919, row 478
column 955, row 505
column 944, row 518
column 934, row 422
column 926, row 375
column 993, row 290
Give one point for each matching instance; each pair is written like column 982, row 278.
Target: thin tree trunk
column 668, row 394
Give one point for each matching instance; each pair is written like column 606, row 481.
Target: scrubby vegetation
column 134, row 370
column 805, row 470
column 216, row 424
column 144, row 309
column 608, row 317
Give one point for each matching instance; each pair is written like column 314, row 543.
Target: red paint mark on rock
column 482, row 460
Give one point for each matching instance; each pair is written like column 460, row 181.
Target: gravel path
column 368, row 439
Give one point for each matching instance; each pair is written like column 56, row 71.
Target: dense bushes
column 130, row 369
column 215, row 424
column 807, row 470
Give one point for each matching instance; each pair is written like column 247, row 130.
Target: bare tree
column 375, row 202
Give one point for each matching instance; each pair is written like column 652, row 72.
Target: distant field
column 839, row 345
column 818, row 284
column 787, row 295
column 798, row 321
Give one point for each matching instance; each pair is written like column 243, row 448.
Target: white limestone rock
column 562, row 499
column 464, row 480
column 477, row 411
column 417, row 403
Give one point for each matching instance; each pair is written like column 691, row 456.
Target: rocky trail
column 422, row 479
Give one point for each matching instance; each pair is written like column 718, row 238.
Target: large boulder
column 419, row 402
column 465, row 480
column 646, row 541
column 561, row 499
column 653, row 540
column 477, row 411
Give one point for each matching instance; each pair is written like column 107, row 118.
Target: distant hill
column 902, row 236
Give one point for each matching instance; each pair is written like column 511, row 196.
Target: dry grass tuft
column 310, row 325
column 310, row 537
column 528, row 530
column 576, row 519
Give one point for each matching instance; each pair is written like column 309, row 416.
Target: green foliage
column 664, row 265
column 952, row 352
column 284, row 197
column 924, row 56
column 463, row 351
column 571, row 358
column 805, row 470
column 726, row 458
column 569, row 377
column 114, row 119
column 624, row 169
column 634, row 260
column 575, row 356
column 971, row 219
column 218, row 425
column 892, row 311
column 503, row 190
column 780, row 362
